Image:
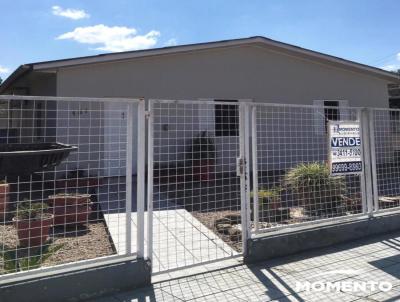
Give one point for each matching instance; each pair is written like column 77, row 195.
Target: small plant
column 31, row 211
column 268, row 197
column 316, row 189
column 202, row 147
column 33, row 223
column 270, row 205
column 272, row 195
column 14, row 263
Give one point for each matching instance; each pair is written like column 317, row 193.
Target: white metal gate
column 292, row 185
column 196, row 182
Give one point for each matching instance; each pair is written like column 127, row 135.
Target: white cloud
column 171, row 42
column 391, row 67
column 398, row 56
column 70, row 13
column 4, row 70
column 116, row 38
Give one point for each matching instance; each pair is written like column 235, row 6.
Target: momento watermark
column 343, row 285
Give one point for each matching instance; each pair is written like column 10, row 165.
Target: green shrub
column 14, row 262
column 316, row 189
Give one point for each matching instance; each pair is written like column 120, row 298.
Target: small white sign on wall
column 345, row 148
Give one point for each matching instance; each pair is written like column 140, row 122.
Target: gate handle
column 239, row 166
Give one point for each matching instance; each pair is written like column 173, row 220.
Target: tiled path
column 374, row 259
column 179, row 239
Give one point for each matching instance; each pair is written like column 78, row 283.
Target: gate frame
column 242, row 168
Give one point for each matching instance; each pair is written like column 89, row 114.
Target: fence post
column 373, row 159
column 247, row 172
column 150, row 121
column 140, row 178
column 255, row 167
column 367, row 179
column 242, row 171
column 128, row 201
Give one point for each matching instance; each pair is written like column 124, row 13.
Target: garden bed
column 230, row 232
column 76, row 243
column 209, row 219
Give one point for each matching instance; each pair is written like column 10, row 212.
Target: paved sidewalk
column 375, row 259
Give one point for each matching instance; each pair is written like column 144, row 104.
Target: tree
column 1, row 80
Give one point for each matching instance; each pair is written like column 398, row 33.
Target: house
column 251, row 69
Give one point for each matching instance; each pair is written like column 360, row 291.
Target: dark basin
column 25, row 159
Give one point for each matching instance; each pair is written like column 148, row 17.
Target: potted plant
column 320, row 193
column 202, row 154
column 33, row 223
column 70, row 209
column 270, row 207
column 4, row 199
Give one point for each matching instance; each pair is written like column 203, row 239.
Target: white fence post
column 140, row 177
column 129, row 159
column 364, row 201
column 150, row 153
column 373, row 159
column 255, row 167
column 247, row 173
column 241, row 166
column 367, row 161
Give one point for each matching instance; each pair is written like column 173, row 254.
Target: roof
column 257, row 40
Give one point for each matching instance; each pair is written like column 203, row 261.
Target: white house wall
column 232, row 73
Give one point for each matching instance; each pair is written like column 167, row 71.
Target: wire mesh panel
column 386, row 149
column 63, row 191
column 292, row 182
column 196, row 191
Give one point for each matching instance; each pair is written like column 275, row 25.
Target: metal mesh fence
column 292, row 183
column 386, row 149
column 196, row 192
column 63, row 166
column 67, row 192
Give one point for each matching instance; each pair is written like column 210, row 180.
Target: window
column 226, row 119
column 331, row 114
column 394, row 115
column 339, row 110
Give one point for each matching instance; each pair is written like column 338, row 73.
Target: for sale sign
column 345, row 148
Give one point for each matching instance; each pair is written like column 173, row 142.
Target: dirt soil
column 77, row 243
column 209, row 218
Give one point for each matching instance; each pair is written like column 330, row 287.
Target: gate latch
column 239, row 166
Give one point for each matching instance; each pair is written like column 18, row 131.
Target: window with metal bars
column 226, row 118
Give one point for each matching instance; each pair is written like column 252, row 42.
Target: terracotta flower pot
column 4, row 200
column 33, row 233
column 204, row 170
column 70, row 209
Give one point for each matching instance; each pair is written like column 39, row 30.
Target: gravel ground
column 209, row 218
column 77, row 244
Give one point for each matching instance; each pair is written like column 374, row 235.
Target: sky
column 365, row 31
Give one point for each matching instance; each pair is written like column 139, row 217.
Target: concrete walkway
column 375, row 259
column 179, row 239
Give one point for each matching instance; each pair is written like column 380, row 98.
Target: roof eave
column 19, row 72
column 292, row 49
